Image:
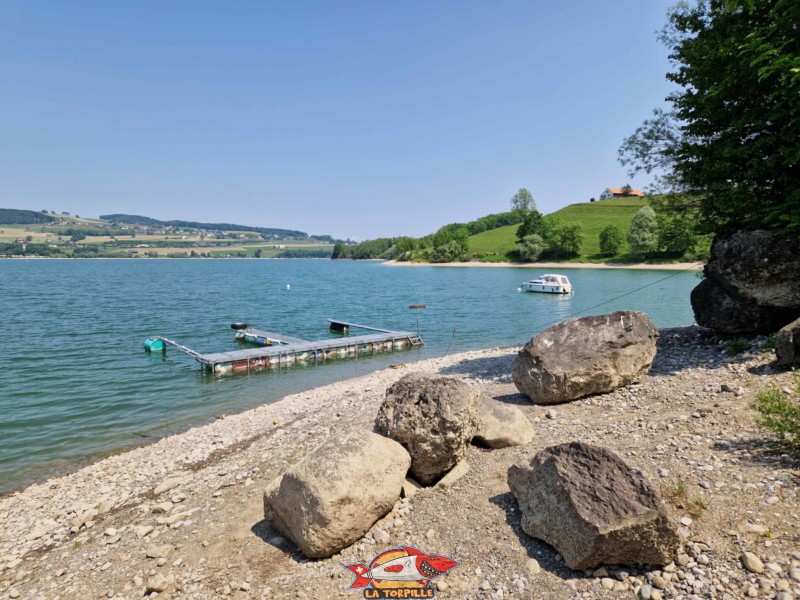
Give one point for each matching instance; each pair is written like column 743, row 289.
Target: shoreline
column 188, row 508
column 696, row 266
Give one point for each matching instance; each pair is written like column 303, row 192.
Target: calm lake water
column 75, row 382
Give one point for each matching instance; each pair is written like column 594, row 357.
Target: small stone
column 645, row 592
column 485, row 585
column 163, row 507
column 169, row 484
column 13, row 593
column 441, row 586
column 659, row 582
column 245, row 587
column 600, row 572
column 774, row 567
column 752, row 563
column 143, row 530
column 683, row 559
column 773, row 500
column 533, row 566
column 379, row 535
column 110, row 532
column 655, row 595
column 687, row 521
column 162, row 551
column 607, row 583
column 161, row 562
column 157, row 584
column 550, row 414
column 795, row 574
column 663, row 472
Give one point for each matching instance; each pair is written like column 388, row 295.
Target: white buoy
column 288, row 287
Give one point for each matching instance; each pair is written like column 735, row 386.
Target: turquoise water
column 75, row 382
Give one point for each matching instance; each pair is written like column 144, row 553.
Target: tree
column 523, row 201
column 676, row 235
column 610, row 240
column 643, row 233
column 565, row 239
column 730, row 144
column 532, row 224
column 450, row 252
column 531, row 247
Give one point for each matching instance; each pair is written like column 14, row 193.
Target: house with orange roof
column 623, row 192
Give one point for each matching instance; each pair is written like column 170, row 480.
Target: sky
column 353, row 119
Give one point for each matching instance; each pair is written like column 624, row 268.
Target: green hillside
column 495, row 245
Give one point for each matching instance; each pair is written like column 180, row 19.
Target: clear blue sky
column 356, row 119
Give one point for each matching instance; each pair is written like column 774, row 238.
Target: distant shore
column 696, row 266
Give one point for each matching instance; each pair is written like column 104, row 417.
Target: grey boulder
column 333, row 496
column 434, row 418
column 787, row 345
column 590, row 355
column 501, row 425
column 751, row 284
column 593, row 508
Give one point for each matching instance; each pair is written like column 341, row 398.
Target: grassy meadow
column 496, row 245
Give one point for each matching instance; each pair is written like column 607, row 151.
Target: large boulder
column 787, row 345
column 751, row 284
column 593, row 508
column 501, row 425
column 434, row 418
column 333, row 496
column 590, row 355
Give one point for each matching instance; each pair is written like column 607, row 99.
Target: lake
column 76, row 384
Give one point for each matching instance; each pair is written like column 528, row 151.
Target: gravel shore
column 183, row 517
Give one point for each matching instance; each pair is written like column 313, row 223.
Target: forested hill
column 12, row 216
column 147, row 221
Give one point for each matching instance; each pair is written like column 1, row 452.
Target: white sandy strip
column 560, row 265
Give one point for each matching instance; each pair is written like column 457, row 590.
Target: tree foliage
column 611, row 240
column 531, row 247
column 730, row 143
column 676, row 235
column 643, row 233
column 533, row 223
column 565, row 240
column 523, row 201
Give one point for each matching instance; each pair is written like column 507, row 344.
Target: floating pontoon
column 278, row 350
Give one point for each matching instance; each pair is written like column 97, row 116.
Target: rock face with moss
column 593, row 508
column 751, row 284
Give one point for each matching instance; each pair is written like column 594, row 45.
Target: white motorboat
column 548, row 284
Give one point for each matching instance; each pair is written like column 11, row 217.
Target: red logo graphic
column 403, row 572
